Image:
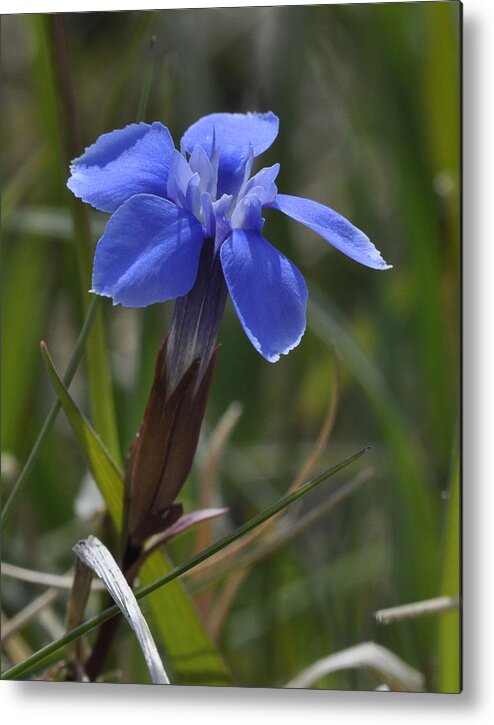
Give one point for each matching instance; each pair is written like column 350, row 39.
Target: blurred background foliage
column 368, row 100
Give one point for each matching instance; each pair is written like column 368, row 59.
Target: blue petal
column 238, row 136
column 333, row 227
column 149, row 252
column 132, row 160
column 268, row 292
column 234, row 165
column 239, row 130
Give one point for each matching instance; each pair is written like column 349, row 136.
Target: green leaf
column 101, row 465
column 181, row 630
column 187, row 643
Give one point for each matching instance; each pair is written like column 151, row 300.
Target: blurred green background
column 368, row 101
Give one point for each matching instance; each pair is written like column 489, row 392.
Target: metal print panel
column 231, row 438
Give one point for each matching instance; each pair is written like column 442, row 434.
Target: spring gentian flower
column 187, row 225
column 166, row 203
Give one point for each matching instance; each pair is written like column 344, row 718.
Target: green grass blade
column 52, row 415
column 41, row 655
column 27, row 267
column 54, row 76
column 413, row 489
column 449, row 678
column 21, row 183
column 147, row 81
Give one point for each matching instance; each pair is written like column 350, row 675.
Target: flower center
column 218, row 190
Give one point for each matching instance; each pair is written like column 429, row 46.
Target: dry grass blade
column 209, row 483
column 15, row 646
column 302, row 476
column 285, row 534
column 417, row 609
column 394, row 671
column 79, row 596
column 224, row 602
column 42, row 578
column 26, row 615
column 97, row 557
column 239, row 568
column 325, row 432
column 209, row 475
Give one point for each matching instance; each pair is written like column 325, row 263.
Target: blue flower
column 165, row 204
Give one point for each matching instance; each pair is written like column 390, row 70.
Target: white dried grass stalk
column 417, row 609
column 368, row 655
column 97, row 557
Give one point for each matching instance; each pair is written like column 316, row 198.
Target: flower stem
column 196, row 318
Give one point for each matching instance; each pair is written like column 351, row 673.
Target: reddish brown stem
column 108, row 629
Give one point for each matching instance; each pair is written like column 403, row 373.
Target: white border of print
column 74, row 703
